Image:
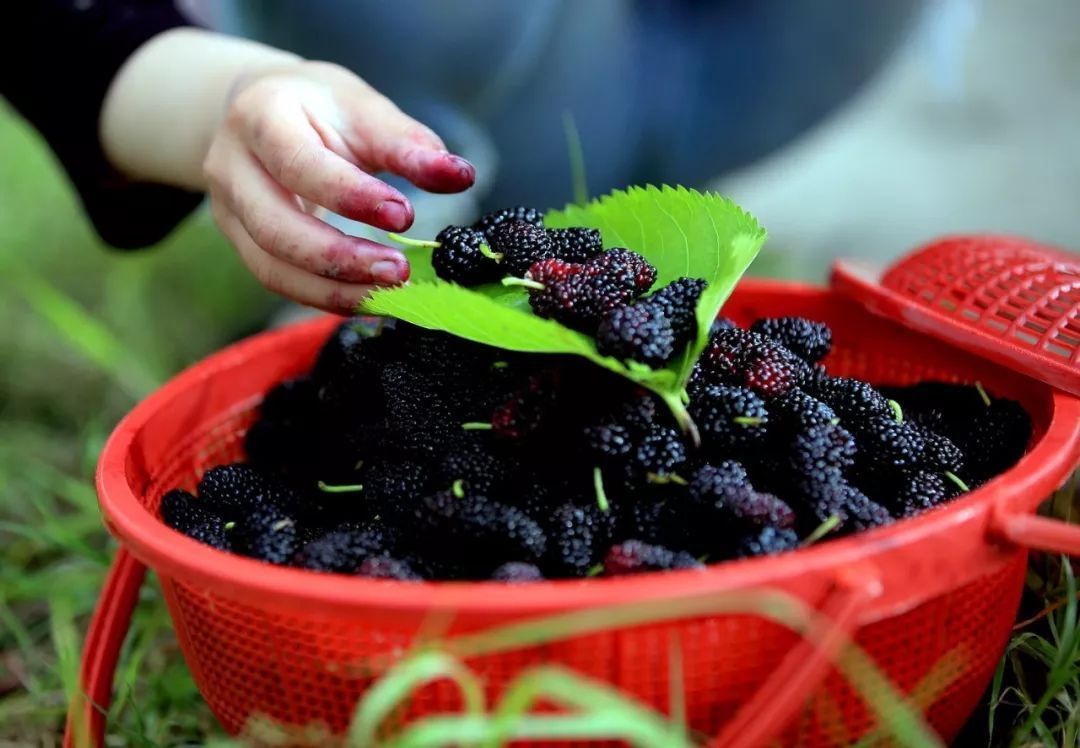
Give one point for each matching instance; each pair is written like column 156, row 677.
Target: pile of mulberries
column 572, row 279
column 411, row 454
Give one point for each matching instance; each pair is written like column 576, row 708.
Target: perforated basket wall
column 1009, row 299
column 292, row 645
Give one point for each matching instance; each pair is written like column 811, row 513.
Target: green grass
column 87, row 332
column 1036, row 689
column 78, row 350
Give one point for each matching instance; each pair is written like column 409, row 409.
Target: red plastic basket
column 285, row 643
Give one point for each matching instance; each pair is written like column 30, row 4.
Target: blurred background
column 847, row 127
column 850, row 128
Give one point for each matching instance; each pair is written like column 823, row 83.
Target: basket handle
column 1035, row 532
column 768, row 711
column 101, row 651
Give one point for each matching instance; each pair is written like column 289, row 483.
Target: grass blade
column 453, row 730
column 1068, row 632
column 578, row 182
column 908, row 726
column 86, row 335
column 676, row 686
column 636, row 721
column 393, row 688
column 996, row 696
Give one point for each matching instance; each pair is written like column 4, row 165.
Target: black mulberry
column 997, row 439
column 917, row 492
column 387, row 567
column 576, row 244
column 232, row 490
column 634, row 557
column 807, row 339
column 678, row 300
column 626, row 269
column 341, row 550
column 474, row 461
column 580, row 300
column 768, row 541
column 852, row 399
column 886, row 442
column 737, row 356
column 517, row 571
column 520, row 245
column 459, row 258
column 267, row 534
column 660, row 454
column 528, row 409
column 797, row 411
column 519, row 213
column 574, row 535
column 731, row 419
column 641, row 332
column 476, row 531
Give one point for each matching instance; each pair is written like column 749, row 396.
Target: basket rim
column 1042, row 469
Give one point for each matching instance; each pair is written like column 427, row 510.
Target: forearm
column 167, row 100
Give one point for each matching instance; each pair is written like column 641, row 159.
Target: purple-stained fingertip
column 390, row 271
column 465, row 169
column 394, row 214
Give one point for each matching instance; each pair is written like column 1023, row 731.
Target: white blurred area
column 974, row 126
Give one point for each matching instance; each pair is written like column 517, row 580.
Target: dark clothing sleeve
column 57, row 59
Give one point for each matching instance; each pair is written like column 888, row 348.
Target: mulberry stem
column 682, row 415
column 598, row 484
column 327, row 488
column 523, row 282
column 957, row 480
column 408, row 242
column 898, row 412
column 485, row 250
column 662, row 479
column 822, row 530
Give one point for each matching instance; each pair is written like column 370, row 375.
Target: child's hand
column 310, row 135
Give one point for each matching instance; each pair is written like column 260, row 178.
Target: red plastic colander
column 934, row 594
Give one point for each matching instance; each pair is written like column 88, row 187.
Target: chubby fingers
column 282, row 137
column 272, row 219
column 285, row 279
column 386, row 139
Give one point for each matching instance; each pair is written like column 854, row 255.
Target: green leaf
column 486, row 319
column 684, row 233
column 420, row 268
